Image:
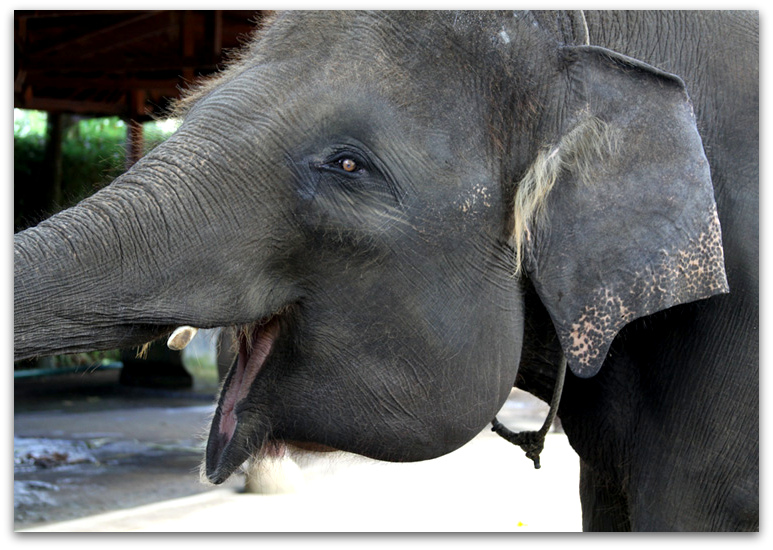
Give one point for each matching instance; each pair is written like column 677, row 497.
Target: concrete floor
column 92, row 456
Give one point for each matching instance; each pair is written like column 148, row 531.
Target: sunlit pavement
column 482, row 487
column 486, row 486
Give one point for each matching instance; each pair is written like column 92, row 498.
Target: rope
column 533, row 442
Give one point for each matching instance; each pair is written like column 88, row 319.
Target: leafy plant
column 93, row 154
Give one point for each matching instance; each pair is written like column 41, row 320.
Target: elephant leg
column 604, row 504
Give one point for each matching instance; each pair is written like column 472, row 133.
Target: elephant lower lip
column 225, row 446
column 255, row 345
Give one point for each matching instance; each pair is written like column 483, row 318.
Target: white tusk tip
column 181, row 337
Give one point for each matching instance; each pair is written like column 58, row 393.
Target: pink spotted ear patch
column 678, row 276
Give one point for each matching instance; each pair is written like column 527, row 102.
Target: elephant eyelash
column 338, row 163
column 365, row 176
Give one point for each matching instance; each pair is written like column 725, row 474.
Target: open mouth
column 230, row 440
column 241, row 427
column 255, row 345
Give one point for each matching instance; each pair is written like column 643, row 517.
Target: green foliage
column 93, row 154
column 28, row 158
column 27, row 123
column 87, row 359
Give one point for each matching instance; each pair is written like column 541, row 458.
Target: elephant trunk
column 71, row 290
column 121, row 268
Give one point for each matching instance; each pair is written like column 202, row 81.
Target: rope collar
column 533, row 442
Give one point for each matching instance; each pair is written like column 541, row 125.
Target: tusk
column 181, row 337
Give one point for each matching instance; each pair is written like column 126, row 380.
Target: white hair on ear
column 586, row 33
column 579, row 152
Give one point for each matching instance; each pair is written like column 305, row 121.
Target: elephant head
column 364, row 195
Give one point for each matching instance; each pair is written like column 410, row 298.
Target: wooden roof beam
column 74, row 106
column 103, row 82
column 106, row 36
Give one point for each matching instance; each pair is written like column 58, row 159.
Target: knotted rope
column 533, row 442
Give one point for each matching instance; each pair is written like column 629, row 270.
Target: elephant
column 404, row 214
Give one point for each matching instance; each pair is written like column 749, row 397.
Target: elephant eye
column 354, row 168
column 348, row 164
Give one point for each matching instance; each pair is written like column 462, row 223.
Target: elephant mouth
column 231, row 436
column 240, row 428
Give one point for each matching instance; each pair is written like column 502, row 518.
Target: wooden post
column 217, row 34
column 135, row 139
column 54, row 134
column 188, row 47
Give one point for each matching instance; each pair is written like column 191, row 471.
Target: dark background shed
column 131, row 64
column 76, row 64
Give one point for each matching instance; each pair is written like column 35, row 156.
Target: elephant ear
column 617, row 217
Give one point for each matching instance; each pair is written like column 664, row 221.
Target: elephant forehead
column 407, row 53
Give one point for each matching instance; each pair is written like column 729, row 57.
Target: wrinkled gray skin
column 350, row 184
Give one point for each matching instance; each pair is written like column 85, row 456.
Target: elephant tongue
column 255, row 344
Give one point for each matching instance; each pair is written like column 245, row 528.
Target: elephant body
column 686, row 377
column 409, row 212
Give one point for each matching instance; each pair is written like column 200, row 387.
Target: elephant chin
column 236, row 428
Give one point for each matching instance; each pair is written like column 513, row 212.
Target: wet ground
column 84, row 444
column 91, row 455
